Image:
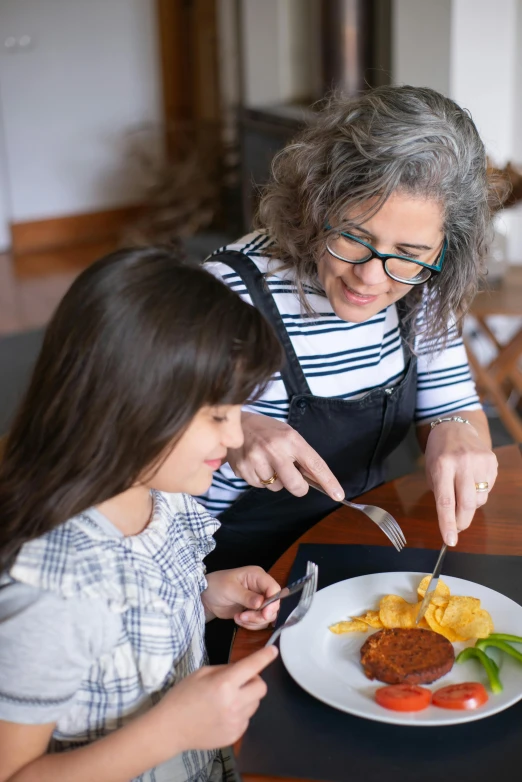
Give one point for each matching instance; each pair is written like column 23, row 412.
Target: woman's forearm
column 477, row 419
column 118, row 757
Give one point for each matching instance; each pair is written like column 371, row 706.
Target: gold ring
column 482, row 486
column 272, row 479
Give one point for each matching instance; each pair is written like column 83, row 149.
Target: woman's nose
column 371, row 273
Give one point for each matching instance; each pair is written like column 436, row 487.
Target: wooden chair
column 497, row 380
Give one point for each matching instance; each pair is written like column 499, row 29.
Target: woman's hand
column 459, row 456
column 230, row 592
column 273, row 447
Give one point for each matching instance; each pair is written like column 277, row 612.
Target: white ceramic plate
column 328, row 666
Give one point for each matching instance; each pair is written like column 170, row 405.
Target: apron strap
column 292, row 375
column 406, row 331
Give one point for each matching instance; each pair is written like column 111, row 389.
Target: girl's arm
column 210, row 708
column 118, row 757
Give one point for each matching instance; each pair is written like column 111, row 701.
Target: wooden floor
column 31, row 288
column 28, row 301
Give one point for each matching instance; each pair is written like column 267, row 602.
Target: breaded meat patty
column 410, row 656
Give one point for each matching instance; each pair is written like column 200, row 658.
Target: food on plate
column 512, row 639
column 370, row 618
column 484, row 643
column 410, row 697
column 403, row 697
column 490, row 666
column 350, row 626
column 440, row 596
column 406, row 655
column 468, row 695
column 456, row 617
column 394, row 611
column 465, row 616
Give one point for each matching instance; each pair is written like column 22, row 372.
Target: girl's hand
column 230, row 592
column 274, row 447
column 456, row 459
column 211, row 707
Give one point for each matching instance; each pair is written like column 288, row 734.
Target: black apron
column 352, row 436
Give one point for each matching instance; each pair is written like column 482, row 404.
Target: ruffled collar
column 158, row 569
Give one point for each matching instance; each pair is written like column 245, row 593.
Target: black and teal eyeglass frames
column 346, row 247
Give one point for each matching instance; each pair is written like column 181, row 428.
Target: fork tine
column 398, row 537
column 305, row 601
column 397, row 528
column 402, row 536
column 391, row 533
column 389, row 525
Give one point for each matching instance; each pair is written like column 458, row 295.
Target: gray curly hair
column 392, row 138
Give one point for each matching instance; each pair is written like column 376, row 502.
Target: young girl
column 133, row 404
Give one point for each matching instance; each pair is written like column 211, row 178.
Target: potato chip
column 460, row 610
column 457, row 618
column 394, row 611
column 447, row 632
column 353, row 626
column 465, row 616
column 442, row 592
column 370, row 618
column 479, row 627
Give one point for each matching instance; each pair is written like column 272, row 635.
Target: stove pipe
column 346, row 44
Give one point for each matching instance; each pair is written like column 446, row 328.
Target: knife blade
column 432, row 584
column 286, row 591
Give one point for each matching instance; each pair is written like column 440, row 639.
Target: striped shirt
column 342, row 360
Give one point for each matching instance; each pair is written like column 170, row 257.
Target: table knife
column 286, row 591
column 432, row 584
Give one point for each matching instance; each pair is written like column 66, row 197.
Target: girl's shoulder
column 56, row 559
column 47, row 644
column 88, row 558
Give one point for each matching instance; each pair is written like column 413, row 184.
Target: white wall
column 90, row 74
column 421, row 43
column 483, row 64
column 280, row 50
column 470, row 50
column 5, row 210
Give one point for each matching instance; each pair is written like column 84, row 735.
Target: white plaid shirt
column 153, row 581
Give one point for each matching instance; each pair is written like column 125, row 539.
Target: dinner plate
column 328, row 666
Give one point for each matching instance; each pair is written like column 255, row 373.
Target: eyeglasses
column 400, row 268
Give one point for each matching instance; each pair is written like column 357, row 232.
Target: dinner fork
column 305, row 601
column 381, row 517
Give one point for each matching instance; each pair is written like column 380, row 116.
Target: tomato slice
column 469, row 695
column 403, row 697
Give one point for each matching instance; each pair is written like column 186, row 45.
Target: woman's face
column 404, row 225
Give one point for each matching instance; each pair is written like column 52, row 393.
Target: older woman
column 373, row 233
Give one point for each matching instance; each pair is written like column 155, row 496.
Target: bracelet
column 456, row 418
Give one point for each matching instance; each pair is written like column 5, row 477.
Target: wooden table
column 496, row 529
column 502, row 375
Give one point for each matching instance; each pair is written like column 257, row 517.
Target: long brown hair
column 137, row 346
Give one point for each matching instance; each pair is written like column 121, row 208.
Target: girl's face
column 404, row 225
column 201, row 450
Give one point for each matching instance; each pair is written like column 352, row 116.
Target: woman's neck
column 130, row 511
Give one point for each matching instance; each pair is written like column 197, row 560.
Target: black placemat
column 295, row 735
